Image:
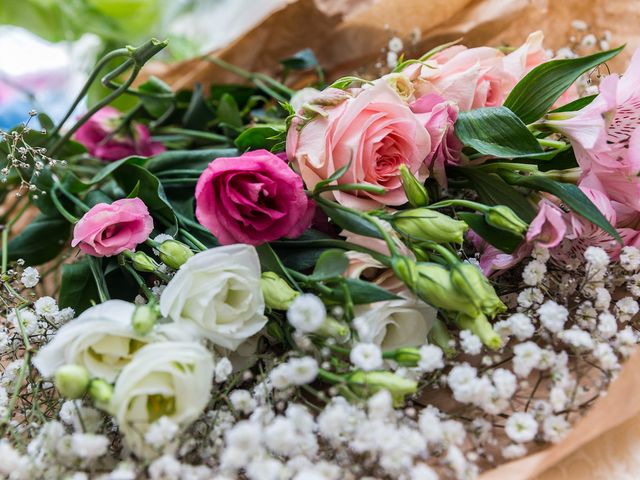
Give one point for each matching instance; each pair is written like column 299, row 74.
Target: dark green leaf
column 78, row 288
column 188, row 159
column 198, row 114
column 110, row 168
column 576, row 105
column 339, row 173
column 134, row 193
column 331, row 264
column 569, row 193
column 541, row 87
column 494, row 191
column 501, row 239
column 496, row 131
column 302, row 60
column 260, row 136
column 362, row 292
column 228, row 112
column 350, row 221
column 562, row 161
column 270, row 262
column 241, row 93
column 156, row 96
column 40, row 241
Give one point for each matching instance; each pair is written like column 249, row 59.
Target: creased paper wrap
column 349, row 35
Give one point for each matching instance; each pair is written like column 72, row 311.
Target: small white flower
column 461, row 380
column 395, row 44
column 630, row 259
column 470, row 343
column 161, row 432
column 558, row 398
column 246, row 436
column 606, row 357
column 306, row 313
column 165, row 468
column 603, row 299
column 534, row 272
column 280, row 376
column 366, row 356
column 529, row 297
column 521, row 427
column 431, row 358
column 12, row 464
column 30, row 277
column 29, row 321
column 64, row 315
column 521, row 326
column 223, row 370
column 607, row 325
column 541, row 254
column 242, row 401
column 430, row 425
column 303, row 370
column 577, row 338
column 627, row 308
column 423, row 472
column 88, row 445
column 46, row 307
column 392, row 59
column 527, row 355
column 596, row 257
column 553, row 316
column 515, row 450
column 505, row 383
column 554, row 428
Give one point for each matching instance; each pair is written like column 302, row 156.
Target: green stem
column 197, row 243
column 496, row 166
column 141, row 283
column 450, row 258
column 460, row 203
column 352, row 186
column 5, row 236
column 558, row 145
column 63, row 211
column 96, row 271
column 194, row 133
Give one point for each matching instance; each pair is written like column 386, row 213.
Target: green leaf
column 496, row 131
column 350, row 221
column 78, row 288
column 541, row 87
column 261, row 136
column 302, row 60
column 569, row 193
column 339, row 173
column 493, row 190
column 156, row 96
column 576, row 105
column 134, row 193
column 501, row 239
column 188, row 159
column 110, row 168
column 228, row 112
column 331, row 264
column 198, row 114
column 40, row 241
column 270, row 262
column 362, row 292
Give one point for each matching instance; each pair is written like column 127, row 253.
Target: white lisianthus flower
column 101, row 340
column 395, row 324
column 167, row 379
column 218, row 293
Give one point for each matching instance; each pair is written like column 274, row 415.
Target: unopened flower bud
column 100, row 391
column 143, row 262
column 414, row 189
column 440, row 336
column 144, row 318
column 375, row 381
column 434, row 286
column 469, row 280
column 72, row 381
column 277, row 293
column 405, row 270
column 334, row 329
column 174, row 253
column 405, row 355
column 480, row 327
column 429, row 225
column 502, row 217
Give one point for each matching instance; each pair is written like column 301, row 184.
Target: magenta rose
column 254, row 199
column 107, row 230
column 96, row 133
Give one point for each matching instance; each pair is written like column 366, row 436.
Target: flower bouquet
column 421, row 275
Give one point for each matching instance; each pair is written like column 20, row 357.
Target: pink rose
column 439, row 116
column 95, row 135
column 374, row 132
column 548, row 228
column 107, row 230
column 254, row 199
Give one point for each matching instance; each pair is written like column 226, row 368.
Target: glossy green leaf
column 576, row 105
column 496, row 131
column 198, row 114
column 569, row 193
column 261, row 136
column 362, row 292
column 228, row 112
column 350, row 221
column 331, row 264
column 40, row 241
column 532, row 97
column 188, row 159
column 156, row 96
column 501, row 239
column 78, row 288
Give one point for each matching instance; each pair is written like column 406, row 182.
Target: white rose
column 218, row 292
column 395, row 323
column 167, row 379
column 101, row 339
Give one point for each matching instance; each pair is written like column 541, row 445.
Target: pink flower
column 439, row 116
column 96, row 133
column 476, row 77
column 254, row 198
column 493, row 260
column 548, row 227
column 374, row 132
column 107, row 230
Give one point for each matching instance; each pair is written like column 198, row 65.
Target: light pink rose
column 97, row 136
column 374, row 131
column 548, row 228
column 253, row 199
column 109, row 229
column 439, row 116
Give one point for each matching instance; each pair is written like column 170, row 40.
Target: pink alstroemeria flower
column 548, row 228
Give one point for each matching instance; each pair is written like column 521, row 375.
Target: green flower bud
column 334, row 329
column 100, row 391
column 429, row 225
column 413, row 188
column 174, row 253
column 71, row 381
column 480, row 326
column 504, row 218
column 143, row 262
column 405, row 355
column 375, row 381
column 405, row 270
column 278, row 295
column 434, row 286
column 144, row 318
column 470, row 281
column 440, row 336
